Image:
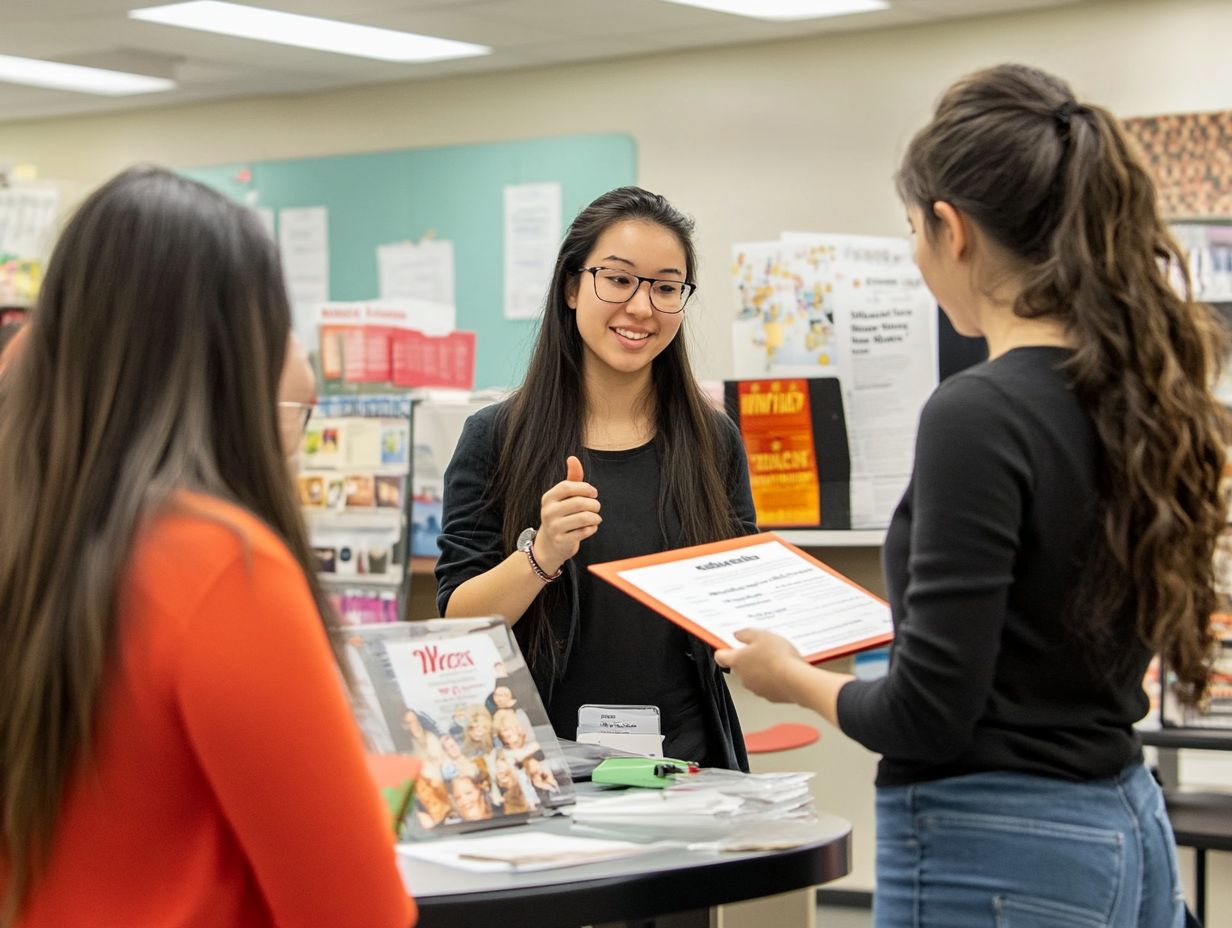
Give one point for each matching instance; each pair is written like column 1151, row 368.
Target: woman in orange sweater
column 176, row 745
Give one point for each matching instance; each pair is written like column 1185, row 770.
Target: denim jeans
column 1011, row 850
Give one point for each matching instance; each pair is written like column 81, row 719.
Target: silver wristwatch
column 526, row 543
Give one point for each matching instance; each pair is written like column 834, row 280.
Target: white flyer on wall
column 532, row 235
column 885, row 329
column 28, row 221
column 303, row 239
column 417, row 271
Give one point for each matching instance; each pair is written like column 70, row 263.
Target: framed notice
column 757, row 581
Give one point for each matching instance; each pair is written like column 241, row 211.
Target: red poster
column 377, row 354
column 354, row 355
column 421, row 360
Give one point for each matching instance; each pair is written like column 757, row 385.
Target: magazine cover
column 457, row 696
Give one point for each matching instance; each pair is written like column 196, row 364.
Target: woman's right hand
column 568, row 515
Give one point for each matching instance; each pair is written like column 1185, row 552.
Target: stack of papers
column 769, row 796
column 523, row 850
column 703, row 800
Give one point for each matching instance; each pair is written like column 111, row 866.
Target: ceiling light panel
column 786, row 10
column 329, row 35
column 35, row 72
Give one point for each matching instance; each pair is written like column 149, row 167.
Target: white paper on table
column 417, row 271
column 758, row 581
column 524, row 850
column 532, row 235
column 656, row 804
column 303, row 240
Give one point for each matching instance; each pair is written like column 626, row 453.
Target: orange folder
column 611, row 572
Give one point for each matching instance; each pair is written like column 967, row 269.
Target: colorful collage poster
column 1187, row 155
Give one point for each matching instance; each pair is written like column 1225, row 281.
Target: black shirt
column 982, row 559
column 625, row 653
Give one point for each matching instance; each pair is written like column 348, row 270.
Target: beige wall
column 752, row 140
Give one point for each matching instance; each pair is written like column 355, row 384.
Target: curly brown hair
column 1055, row 183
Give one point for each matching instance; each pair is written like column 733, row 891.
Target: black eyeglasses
column 613, row 285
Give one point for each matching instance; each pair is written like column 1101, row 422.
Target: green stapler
column 651, row 772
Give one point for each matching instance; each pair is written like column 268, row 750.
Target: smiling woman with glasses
column 608, row 450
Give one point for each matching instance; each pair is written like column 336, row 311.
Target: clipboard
column 835, row 615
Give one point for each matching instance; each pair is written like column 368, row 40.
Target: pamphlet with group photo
column 757, row 581
column 456, row 695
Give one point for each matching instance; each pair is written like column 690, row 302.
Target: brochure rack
column 354, row 487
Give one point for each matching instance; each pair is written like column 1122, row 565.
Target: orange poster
column 777, row 425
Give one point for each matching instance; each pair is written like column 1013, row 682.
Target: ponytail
column 1055, row 183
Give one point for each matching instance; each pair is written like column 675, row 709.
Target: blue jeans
column 1011, row 850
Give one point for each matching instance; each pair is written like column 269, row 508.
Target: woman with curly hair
column 1057, row 531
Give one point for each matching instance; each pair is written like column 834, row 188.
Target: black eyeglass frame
column 690, row 287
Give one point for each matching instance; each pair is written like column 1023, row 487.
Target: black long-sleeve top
column 983, row 556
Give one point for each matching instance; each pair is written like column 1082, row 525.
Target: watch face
column 524, row 540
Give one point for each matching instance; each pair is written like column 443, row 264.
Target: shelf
column 357, row 518
column 391, row 580
column 845, row 538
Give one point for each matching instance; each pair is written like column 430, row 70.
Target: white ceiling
column 522, row 33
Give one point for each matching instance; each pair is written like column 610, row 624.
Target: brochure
column 456, row 695
column 757, row 581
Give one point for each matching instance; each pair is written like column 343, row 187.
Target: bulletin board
column 455, row 193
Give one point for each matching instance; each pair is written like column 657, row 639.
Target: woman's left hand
column 768, row 664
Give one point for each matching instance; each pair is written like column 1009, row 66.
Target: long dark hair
column 545, row 416
column 1055, row 183
column 151, row 365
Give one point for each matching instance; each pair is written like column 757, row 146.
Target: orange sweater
column 228, row 785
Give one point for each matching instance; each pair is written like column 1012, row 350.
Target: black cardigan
column 471, row 544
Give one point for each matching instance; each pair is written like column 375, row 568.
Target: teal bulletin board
column 457, row 193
